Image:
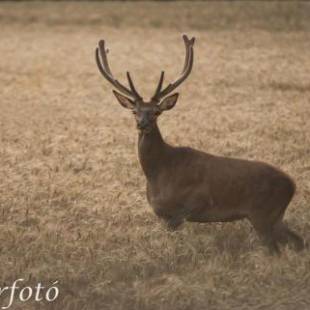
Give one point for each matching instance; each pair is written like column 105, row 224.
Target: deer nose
column 143, row 123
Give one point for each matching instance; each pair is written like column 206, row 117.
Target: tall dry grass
column 72, row 194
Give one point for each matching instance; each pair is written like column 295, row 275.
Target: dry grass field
column 72, row 194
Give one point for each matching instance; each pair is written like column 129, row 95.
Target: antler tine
column 185, row 74
column 159, row 86
column 187, row 43
column 188, row 65
column 110, row 78
column 103, row 66
column 132, row 87
column 103, row 53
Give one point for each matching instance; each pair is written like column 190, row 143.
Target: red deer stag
column 187, row 184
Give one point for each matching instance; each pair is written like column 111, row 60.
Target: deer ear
column 169, row 102
column 124, row 101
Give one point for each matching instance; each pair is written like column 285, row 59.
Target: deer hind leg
column 266, row 233
column 267, row 217
column 285, row 235
column 281, row 231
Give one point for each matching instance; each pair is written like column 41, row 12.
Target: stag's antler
column 104, row 68
column 102, row 63
column 188, row 65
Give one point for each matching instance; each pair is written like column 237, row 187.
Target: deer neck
column 152, row 150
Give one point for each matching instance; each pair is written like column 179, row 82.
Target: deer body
column 187, row 184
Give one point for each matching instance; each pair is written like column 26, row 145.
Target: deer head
column 146, row 112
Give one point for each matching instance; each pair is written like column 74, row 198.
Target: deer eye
column 134, row 112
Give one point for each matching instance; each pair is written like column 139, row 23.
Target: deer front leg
column 174, row 223
column 174, row 217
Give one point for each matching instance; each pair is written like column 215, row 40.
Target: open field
column 72, row 194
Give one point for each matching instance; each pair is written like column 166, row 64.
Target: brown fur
column 186, row 184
